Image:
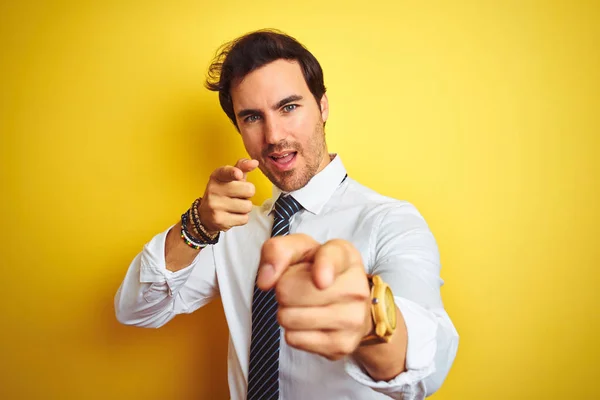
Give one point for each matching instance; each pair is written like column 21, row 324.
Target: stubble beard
column 297, row 178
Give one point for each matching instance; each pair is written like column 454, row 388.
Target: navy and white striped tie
column 263, row 373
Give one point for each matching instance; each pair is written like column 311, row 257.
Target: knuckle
column 335, row 245
column 272, row 246
column 282, row 292
column 228, row 189
column 211, row 200
column 283, row 317
column 250, row 189
column 248, row 206
column 217, row 218
column 343, row 246
column 224, row 172
column 305, row 237
column 210, row 189
column 336, row 242
column 211, row 208
column 346, row 345
column 218, row 172
column 207, row 203
column 291, row 339
column 241, row 219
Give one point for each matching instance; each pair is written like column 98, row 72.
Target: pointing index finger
column 246, row 165
column 279, row 253
column 331, row 260
column 228, row 174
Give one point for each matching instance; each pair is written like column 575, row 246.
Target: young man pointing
column 330, row 290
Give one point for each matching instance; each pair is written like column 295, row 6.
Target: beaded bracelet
column 187, row 238
column 198, row 224
column 196, row 233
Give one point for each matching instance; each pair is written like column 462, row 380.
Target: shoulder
column 379, row 205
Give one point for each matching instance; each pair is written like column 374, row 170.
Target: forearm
column 143, row 303
column 384, row 361
column 151, row 295
column 409, row 264
column 178, row 254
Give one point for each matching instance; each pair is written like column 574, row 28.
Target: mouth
column 283, row 161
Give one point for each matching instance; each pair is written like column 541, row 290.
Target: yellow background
column 483, row 114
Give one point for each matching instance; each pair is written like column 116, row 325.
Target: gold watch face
column 390, row 309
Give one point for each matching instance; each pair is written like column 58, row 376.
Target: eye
column 252, row 118
column 289, row 108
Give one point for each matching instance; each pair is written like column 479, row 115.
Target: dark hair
column 236, row 59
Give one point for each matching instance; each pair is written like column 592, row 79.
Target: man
column 302, row 277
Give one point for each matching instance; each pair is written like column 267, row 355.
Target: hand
column 226, row 201
column 322, row 291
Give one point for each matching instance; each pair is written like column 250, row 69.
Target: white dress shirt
column 395, row 243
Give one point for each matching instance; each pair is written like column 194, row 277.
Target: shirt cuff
column 421, row 329
column 153, row 268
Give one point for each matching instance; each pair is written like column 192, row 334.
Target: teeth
column 285, row 155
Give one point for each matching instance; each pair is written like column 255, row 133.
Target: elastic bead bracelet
column 196, row 233
column 212, row 239
column 189, row 243
column 187, row 238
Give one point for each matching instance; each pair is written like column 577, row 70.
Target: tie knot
column 286, row 206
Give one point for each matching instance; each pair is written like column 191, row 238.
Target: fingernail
column 266, row 273
column 326, row 278
column 329, row 277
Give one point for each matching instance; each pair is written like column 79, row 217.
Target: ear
column 324, row 103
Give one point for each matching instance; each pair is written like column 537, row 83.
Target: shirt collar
column 319, row 189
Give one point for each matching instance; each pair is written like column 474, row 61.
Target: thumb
column 333, row 259
column 246, row 165
column 279, row 253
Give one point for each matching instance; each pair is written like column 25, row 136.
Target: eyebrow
column 289, row 99
column 280, row 103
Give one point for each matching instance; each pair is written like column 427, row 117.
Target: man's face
column 281, row 124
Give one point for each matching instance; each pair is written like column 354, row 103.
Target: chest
column 238, row 257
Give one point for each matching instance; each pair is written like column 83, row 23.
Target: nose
column 274, row 131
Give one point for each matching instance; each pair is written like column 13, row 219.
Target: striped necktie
column 263, row 373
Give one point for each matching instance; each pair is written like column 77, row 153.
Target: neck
column 325, row 160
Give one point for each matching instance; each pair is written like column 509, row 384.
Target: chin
column 289, row 182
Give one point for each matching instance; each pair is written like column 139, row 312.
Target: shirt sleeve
column 151, row 295
column 406, row 256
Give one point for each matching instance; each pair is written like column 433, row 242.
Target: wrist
column 369, row 326
column 382, row 360
column 382, row 312
column 203, row 231
column 193, row 232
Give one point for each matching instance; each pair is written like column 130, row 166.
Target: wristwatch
column 383, row 312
